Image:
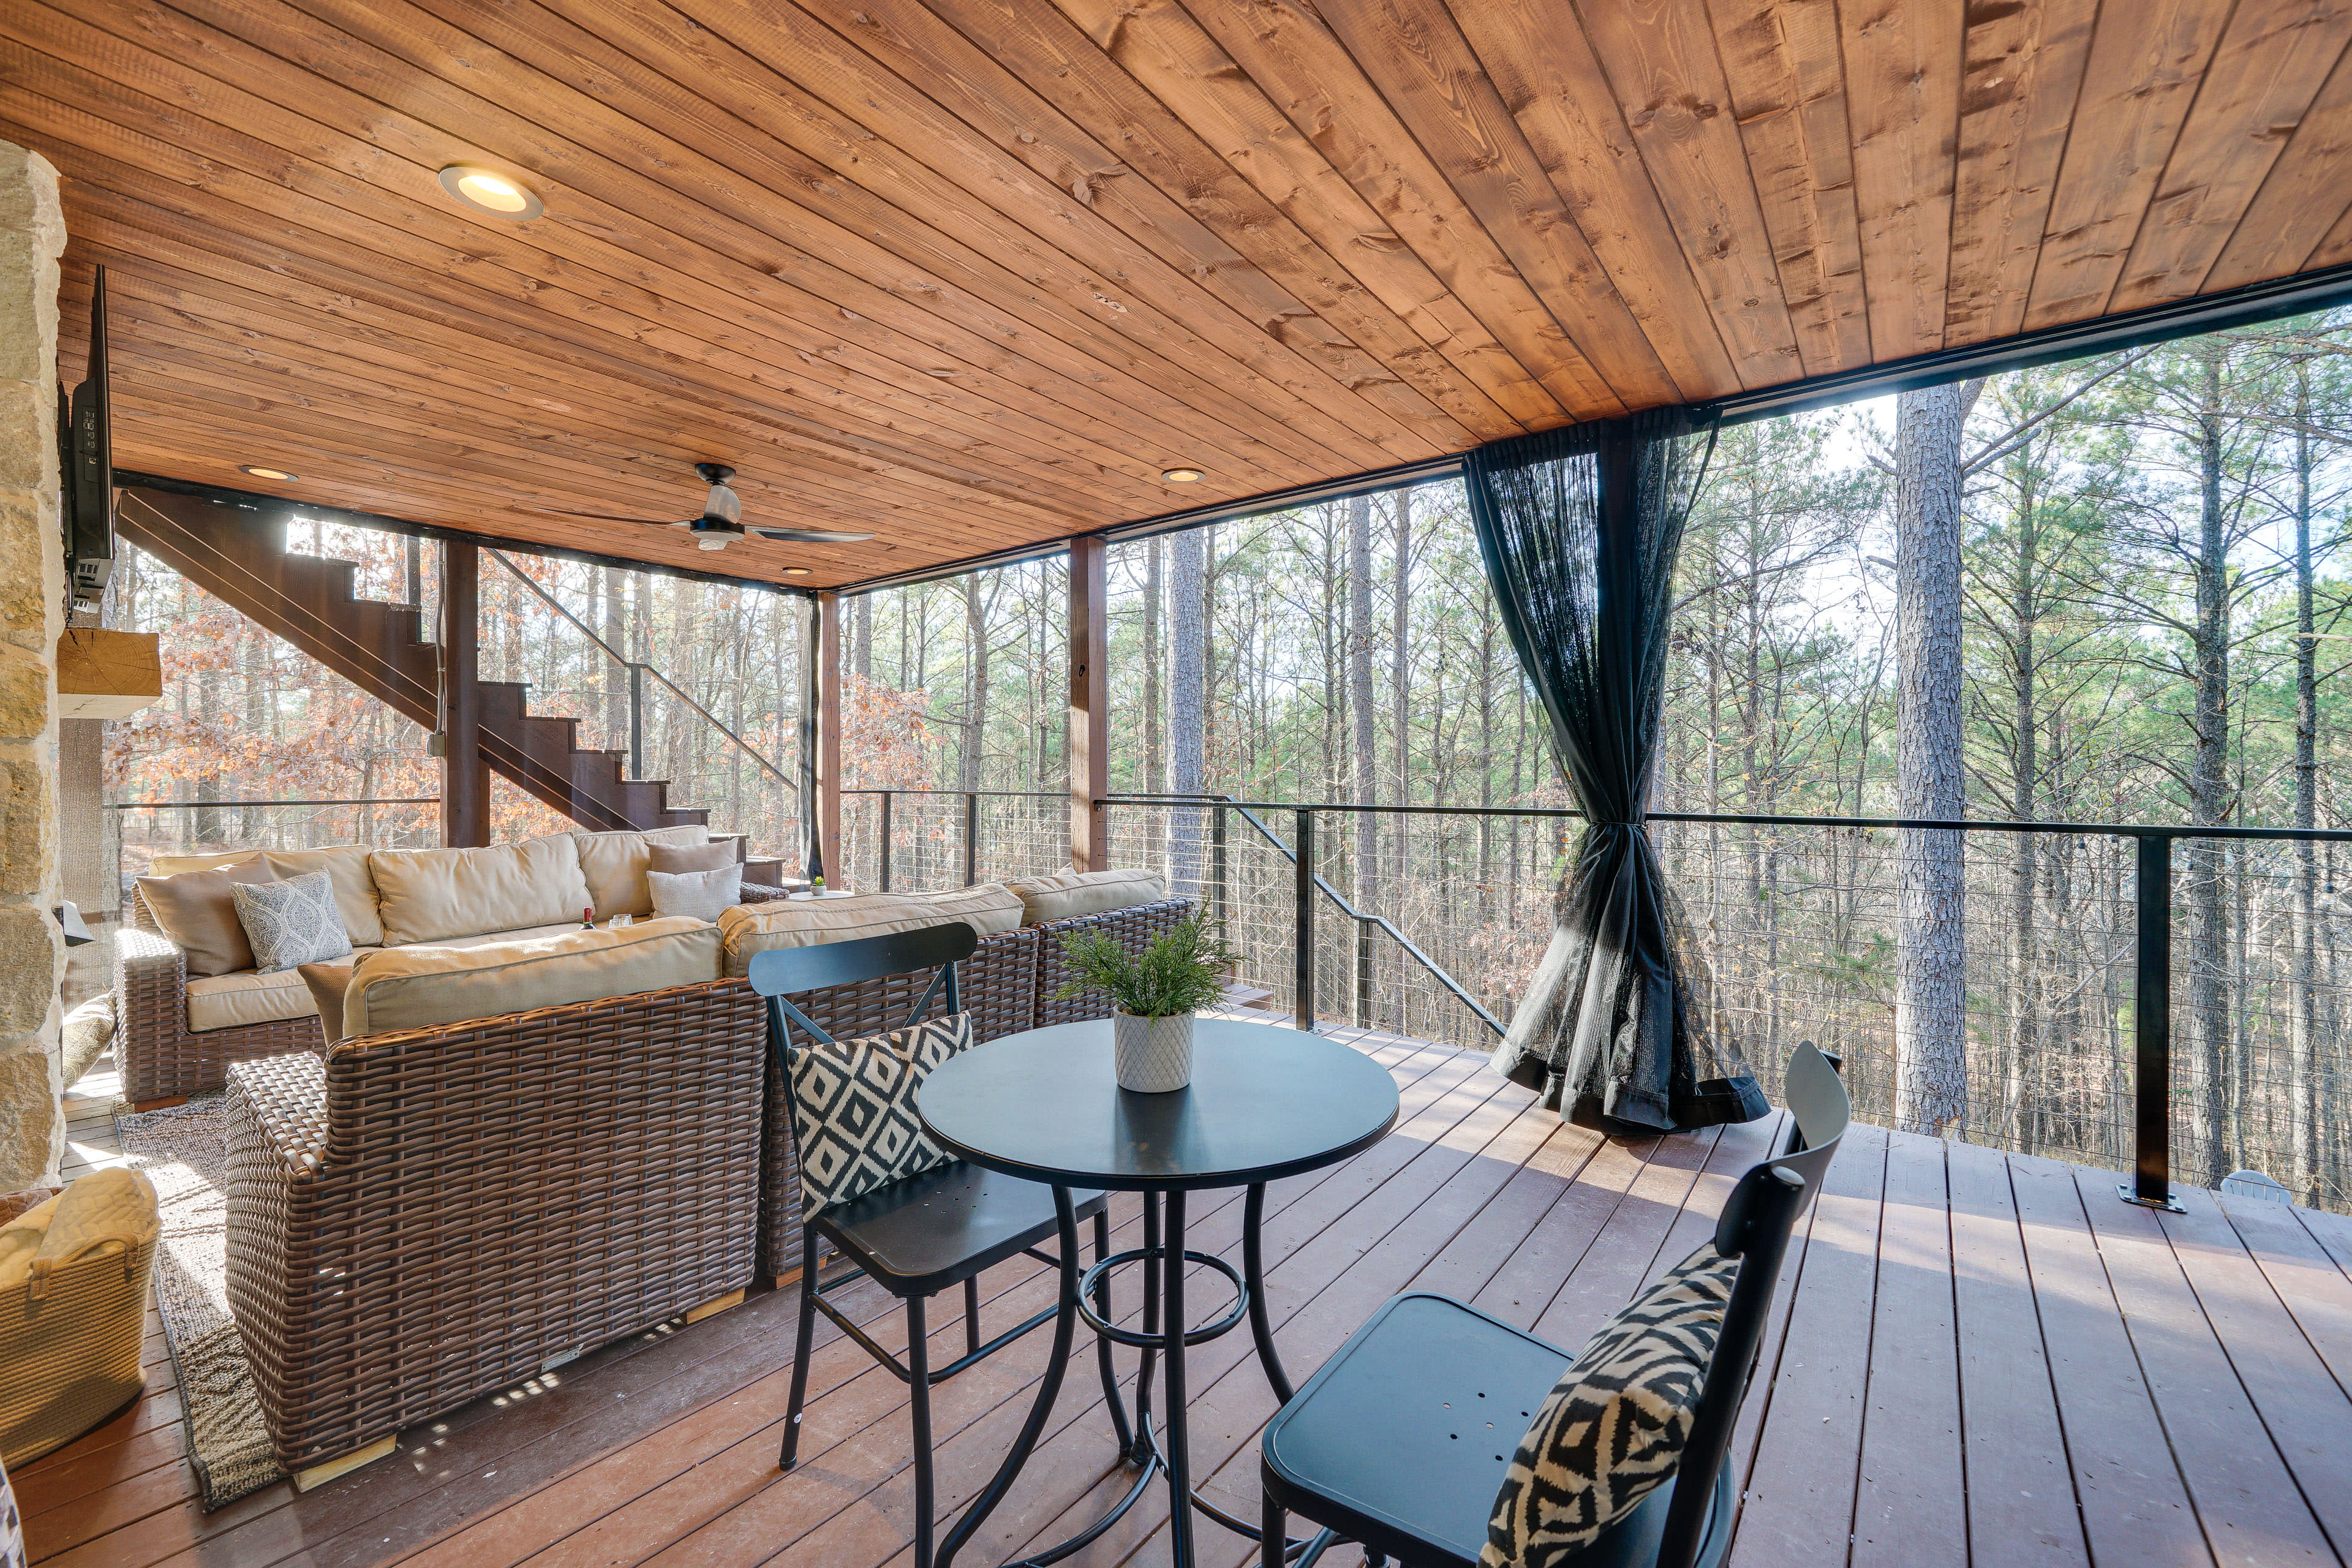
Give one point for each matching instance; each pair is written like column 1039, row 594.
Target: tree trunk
column 2208, row 789
column 975, row 683
column 1188, row 667
column 861, row 636
column 1360, row 725
column 2304, row 959
column 1399, row 689
column 1155, row 735
column 1931, row 1089
column 2025, row 959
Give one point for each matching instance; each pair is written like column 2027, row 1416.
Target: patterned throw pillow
column 292, row 922
column 853, row 1108
column 1612, row 1429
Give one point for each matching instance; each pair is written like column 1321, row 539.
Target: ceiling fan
column 721, row 522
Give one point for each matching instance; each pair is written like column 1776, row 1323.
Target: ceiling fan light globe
column 712, row 541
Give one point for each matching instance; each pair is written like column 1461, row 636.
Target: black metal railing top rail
column 2151, row 1184
column 638, row 669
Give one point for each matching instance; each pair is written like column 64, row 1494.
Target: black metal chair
column 928, row 1232
column 1402, row 1440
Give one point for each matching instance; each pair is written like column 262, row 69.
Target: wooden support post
column 1089, row 701
column 828, row 738
column 464, row 781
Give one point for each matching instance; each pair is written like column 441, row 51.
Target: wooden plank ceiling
column 973, row 273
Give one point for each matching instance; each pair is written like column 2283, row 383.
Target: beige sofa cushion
column 614, row 866
column 416, row 988
column 988, row 908
column 173, row 864
column 1075, row 893
column 425, row 895
column 195, row 912
column 346, row 866
column 232, row 1000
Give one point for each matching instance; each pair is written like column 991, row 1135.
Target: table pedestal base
column 1163, row 1338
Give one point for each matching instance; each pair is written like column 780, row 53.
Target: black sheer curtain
column 1580, row 529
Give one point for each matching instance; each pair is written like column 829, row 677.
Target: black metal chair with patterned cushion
column 1421, row 1435
column 914, row 1235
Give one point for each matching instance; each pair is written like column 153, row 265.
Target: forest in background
column 2151, row 626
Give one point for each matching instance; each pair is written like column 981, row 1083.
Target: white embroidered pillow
column 1612, row 1429
column 292, row 922
column 853, row 1108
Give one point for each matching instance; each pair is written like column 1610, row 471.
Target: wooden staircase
column 238, row 557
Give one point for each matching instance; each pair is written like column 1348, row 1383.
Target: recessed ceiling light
column 1182, row 475
column 793, row 572
column 487, row 190
column 258, row 472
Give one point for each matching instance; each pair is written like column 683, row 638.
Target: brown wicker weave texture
column 427, row 1216
column 997, row 985
column 1131, row 928
column 71, row 1357
column 158, row 1057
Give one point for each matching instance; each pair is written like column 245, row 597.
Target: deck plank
column 1953, row 1372
column 2135, row 1507
column 1910, row 1503
column 2246, row 1500
column 2300, row 1404
column 2020, row 1492
column 1798, row 1503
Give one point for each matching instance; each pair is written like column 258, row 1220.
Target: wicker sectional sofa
column 175, row 1035
column 420, row 1218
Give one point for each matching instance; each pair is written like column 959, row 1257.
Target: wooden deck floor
column 1990, row 1360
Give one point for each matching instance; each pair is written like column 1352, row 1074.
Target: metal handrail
column 250, row 805
column 635, row 667
column 2151, row 1184
column 1309, row 878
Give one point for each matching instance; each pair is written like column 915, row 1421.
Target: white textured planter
column 1155, row 1055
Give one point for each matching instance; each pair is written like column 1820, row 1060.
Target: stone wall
column 32, row 617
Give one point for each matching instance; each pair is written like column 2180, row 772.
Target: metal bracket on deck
column 2167, row 1202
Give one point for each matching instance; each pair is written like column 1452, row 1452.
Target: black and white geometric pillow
column 292, row 922
column 1613, row 1430
column 853, row 1108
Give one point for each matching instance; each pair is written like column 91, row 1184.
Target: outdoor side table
column 1264, row 1102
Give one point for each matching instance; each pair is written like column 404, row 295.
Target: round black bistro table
column 1264, row 1102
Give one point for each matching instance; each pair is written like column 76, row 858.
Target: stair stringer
column 237, row 556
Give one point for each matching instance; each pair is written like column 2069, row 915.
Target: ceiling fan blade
column 811, row 536
column 609, row 517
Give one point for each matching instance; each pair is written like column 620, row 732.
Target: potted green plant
column 1154, row 995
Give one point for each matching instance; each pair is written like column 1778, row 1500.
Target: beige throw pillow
column 988, row 908
column 614, row 866
column 701, row 895
column 1075, row 893
column 173, row 865
column 416, row 988
column 328, row 983
column 425, row 895
column 195, row 911
column 675, row 858
column 346, row 866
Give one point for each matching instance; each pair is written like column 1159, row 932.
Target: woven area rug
column 182, row 1150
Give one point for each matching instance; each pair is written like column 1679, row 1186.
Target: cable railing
column 691, row 789
column 925, row 841
column 2072, row 935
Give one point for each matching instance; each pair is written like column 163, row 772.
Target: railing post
column 885, row 868
column 971, row 837
column 636, row 721
column 1363, row 973
column 1217, row 868
column 2151, row 1182
column 1302, row 975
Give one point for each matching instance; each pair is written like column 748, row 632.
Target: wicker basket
column 70, row 1359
